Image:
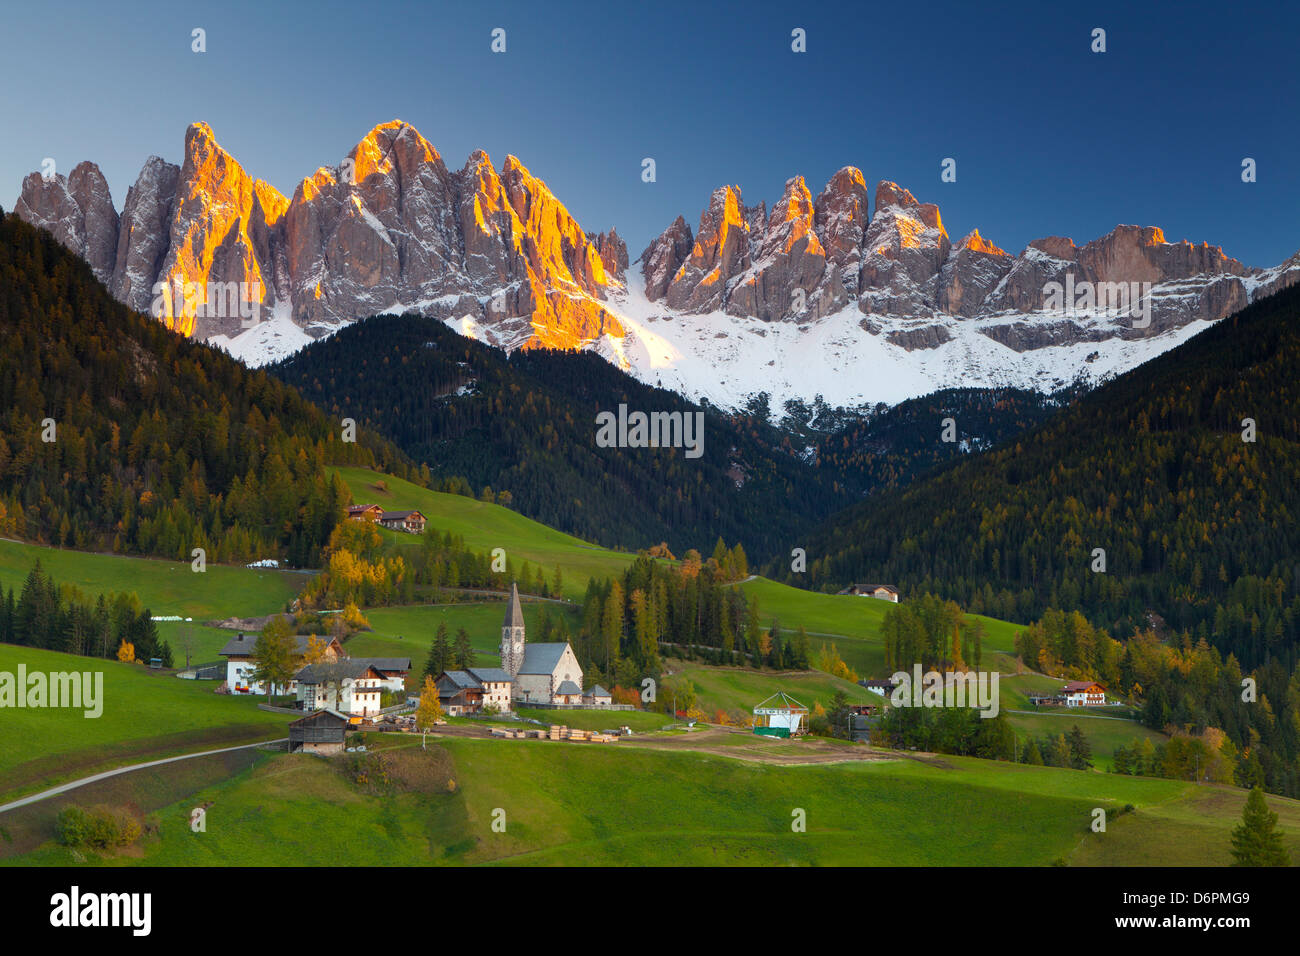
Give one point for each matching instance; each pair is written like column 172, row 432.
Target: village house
column 346, row 686
column 240, row 663
column 365, row 512
column 392, row 670
column 883, row 592
column 882, row 687
column 473, row 689
column 322, row 732
column 411, row 522
column 597, row 696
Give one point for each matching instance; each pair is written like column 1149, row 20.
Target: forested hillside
column 891, row 446
column 119, row 435
column 526, row 424
column 1197, row 522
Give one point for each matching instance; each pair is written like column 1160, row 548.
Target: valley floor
column 654, row 803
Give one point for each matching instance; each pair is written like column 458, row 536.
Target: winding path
column 95, row 778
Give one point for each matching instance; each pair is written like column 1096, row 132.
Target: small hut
column 780, row 716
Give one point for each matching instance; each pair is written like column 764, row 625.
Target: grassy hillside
column 736, row 688
column 570, row 804
column 165, row 587
column 850, row 616
column 485, row 526
column 146, row 715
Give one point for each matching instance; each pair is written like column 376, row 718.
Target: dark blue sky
column 1049, row 138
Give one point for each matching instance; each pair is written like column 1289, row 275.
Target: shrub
column 99, row 828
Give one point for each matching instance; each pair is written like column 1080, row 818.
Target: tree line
column 61, row 618
column 1246, row 721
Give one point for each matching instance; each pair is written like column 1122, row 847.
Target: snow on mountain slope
column 832, row 295
column 727, row 358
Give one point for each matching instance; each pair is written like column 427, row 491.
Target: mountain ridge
column 898, row 308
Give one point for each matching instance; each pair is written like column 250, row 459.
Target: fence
column 214, row 671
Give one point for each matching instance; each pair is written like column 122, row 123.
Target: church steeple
column 512, row 635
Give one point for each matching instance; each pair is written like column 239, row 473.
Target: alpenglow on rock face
column 854, row 294
column 388, row 229
column 899, row 262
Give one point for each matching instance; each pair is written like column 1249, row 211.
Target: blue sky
column 1049, row 137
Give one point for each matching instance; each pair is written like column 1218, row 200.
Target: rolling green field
column 852, row 623
column 146, row 715
column 165, row 587
column 735, row 688
column 172, row 716
column 574, row 804
column 853, row 617
column 486, row 526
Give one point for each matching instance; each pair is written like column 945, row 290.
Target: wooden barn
column 319, row 733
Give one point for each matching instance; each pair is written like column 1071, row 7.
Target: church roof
column 568, row 687
column 514, row 616
column 542, row 658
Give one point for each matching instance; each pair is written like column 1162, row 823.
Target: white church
column 541, row 673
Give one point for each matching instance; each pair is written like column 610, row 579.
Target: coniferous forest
column 119, row 435
column 1166, row 498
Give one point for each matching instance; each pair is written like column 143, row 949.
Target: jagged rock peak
column 977, row 243
column 78, row 210
column 612, row 250
column 721, row 252
column 664, row 256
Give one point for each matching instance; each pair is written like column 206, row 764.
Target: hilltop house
column 1084, row 693
column 240, row 665
column 883, row 592
column 365, row 512
column 539, row 673
column 470, row 690
column 408, row 521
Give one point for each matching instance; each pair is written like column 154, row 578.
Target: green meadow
column 165, row 587
column 852, row 623
column 146, row 715
column 736, row 688
column 581, row 805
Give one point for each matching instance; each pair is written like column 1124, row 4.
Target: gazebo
column 780, row 716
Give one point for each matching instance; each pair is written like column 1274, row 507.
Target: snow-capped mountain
column 854, row 300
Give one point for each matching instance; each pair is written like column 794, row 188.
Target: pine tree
column 1257, row 842
column 464, row 651
column 440, row 653
column 1080, row 752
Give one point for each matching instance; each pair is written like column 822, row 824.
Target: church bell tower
column 512, row 635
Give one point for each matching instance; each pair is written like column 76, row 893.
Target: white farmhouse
column 240, row 662
column 348, row 687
